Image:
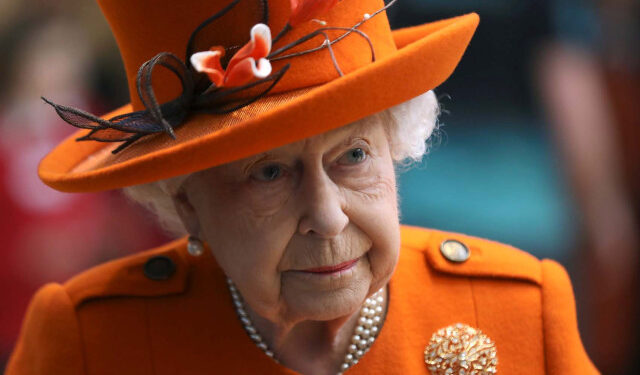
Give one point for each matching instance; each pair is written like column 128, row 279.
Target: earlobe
column 187, row 213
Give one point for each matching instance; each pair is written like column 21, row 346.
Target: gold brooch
column 461, row 350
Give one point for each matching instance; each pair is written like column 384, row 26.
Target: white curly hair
column 410, row 126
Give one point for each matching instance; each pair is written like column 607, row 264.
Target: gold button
column 454, row 251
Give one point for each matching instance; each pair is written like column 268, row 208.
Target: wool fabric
column 113, row 319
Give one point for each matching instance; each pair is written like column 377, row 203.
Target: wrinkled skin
column 317, row 202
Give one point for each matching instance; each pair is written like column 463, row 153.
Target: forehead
column 369, row 128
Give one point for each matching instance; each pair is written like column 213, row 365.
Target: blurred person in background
column 549, row 92
column 589, row 78
column 36, row 223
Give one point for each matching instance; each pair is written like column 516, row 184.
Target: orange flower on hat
column 249, row 63
column 305, row 10
column 209, row 62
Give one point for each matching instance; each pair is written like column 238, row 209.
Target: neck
column 315, row 347
column 309, row 347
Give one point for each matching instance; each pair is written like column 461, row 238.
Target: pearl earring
column 195, row 246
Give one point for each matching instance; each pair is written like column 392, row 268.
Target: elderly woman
column 276, row 157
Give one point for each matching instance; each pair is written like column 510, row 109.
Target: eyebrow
column 353, row 139
column 253, row 160
column 359, row 130
column 355, row 131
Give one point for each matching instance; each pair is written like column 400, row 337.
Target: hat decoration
column 214, row 80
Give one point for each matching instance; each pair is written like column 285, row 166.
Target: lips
column 332, row 269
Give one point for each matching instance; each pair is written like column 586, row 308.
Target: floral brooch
column 462, row 350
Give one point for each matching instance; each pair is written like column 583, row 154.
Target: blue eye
column 353, row 156
column 268, row 173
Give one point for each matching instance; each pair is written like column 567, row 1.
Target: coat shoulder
column 156, row 272
column 463, row 255
column 50, row 339
column 550, row 304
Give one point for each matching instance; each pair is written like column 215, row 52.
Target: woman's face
column 306, row 231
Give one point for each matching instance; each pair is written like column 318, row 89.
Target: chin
column 326, row 305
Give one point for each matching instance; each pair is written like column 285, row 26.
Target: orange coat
column 114, row 320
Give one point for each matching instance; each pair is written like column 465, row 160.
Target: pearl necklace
column 367, row 329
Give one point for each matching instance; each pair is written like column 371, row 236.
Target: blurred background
column 539, row 147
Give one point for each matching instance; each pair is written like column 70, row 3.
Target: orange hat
column 239, row 91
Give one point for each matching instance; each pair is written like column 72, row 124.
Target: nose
column 322, row 213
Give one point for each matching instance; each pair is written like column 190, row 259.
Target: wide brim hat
column 318, row 92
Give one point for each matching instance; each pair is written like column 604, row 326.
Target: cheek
column 373, row 208
column 264, row 200
column 242, row 219
column 246, row 245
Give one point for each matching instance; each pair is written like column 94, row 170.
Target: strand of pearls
column 238, row 303
column 366, row 331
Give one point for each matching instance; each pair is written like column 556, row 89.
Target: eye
column 268, row 173
column 353, row 156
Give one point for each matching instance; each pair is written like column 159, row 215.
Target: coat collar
column 126, row 276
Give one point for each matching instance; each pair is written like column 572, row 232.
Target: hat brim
column 426, row 57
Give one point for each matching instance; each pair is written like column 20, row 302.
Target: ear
column 187, row 213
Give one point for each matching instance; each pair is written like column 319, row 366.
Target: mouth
column 327, row 270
